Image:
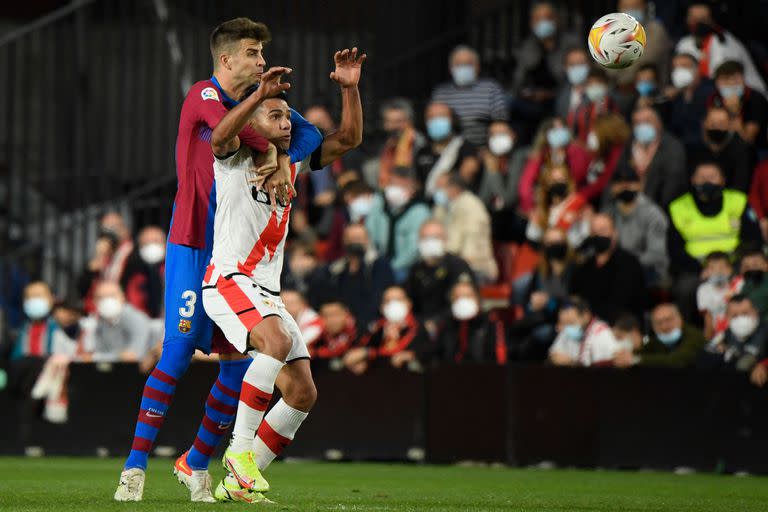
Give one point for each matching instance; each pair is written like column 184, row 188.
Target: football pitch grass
column 84, row 484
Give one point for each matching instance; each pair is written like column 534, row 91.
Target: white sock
column 255, row 395
column 276, row 432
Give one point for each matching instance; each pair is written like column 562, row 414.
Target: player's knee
column 272, row 340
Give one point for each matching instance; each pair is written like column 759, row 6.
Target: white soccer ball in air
column 616, row 40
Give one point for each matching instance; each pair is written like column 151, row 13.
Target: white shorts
column 237, row 305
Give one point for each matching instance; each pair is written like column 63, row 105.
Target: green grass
column 68, row 484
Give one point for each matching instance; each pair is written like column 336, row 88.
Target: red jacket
column 578, row 160
column 611, row 161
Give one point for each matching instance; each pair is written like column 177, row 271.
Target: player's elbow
column 351, row 139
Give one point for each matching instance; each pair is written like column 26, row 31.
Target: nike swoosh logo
column 153, row 415
column 224, row 426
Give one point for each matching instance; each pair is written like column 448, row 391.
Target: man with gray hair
column 477, row 101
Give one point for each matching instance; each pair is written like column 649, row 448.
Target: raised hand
column 270, row 84
column 348, row 67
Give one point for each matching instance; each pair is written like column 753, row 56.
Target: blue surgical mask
column 644, row 133
column 730, row 91
column 669, row 338
column 440, row 197
column 574, row 331
column 37, row 308
column 544, row 29
column 558, row 137
column 463, row 74
column 439, row 128
column 645, row 87
column 577, row 73
column 638, row 14
column 596, row 92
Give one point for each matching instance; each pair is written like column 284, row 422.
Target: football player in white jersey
column 241, row 287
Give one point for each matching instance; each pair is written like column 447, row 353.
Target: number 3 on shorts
column 189, row 306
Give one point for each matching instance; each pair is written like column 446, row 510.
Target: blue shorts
column 185, row 318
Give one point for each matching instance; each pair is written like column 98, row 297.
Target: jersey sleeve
column 205, row 106
column 305, row 138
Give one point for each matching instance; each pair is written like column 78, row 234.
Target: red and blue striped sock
column 220, row 409
column 157, row 396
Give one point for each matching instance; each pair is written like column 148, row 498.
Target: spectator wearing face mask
column 572, row 93
column 647, row 91
column 115, row 225
column 706, row 219
column 641, row 225
column 402, row 143
column 476, row 101
column 713, row 293
column 448, row 150
column 143, row 279
column 505, row 160
column 758, row 196
column 356, row 201
column 40, row 335
column 752, row 281
column 712, row 45
column 744, row 340
column 397, row 339
column 611, row 280
column 688, row 96
column 338, row 336
column 467, row 226
column 303, row 272
column 121, row 332
column 539, row 70
column 747, row 107
column 656, row 156
column 96, row 269
column 309, row 322
column 671, row 344
column 599, row 101
column 582, row 339
column 552, row 146
column 727, row 149
column 360, row 277
column 540, row 297
column 558, row 205
column 433, row 276
column 394, row 221
column 657, row 47
column 470, row 335
column 629, row 334
column 606, row 141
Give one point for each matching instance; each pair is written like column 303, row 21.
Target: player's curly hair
column 235, row 30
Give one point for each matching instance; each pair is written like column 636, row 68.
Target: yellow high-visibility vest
column 704, row 235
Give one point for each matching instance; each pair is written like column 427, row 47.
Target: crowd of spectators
column 620, row 216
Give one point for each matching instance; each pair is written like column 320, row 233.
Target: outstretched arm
column 224, row 138
column 350, row 133
column 305, row 138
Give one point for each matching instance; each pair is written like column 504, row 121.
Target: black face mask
column 717, row 136
column 702, row 29
column 556, row 251
column 73, row 331
column 708, row 192
column 600, row 244
column 754, row 276
column 393, row 134
column 626, row 196
column 557, row 190
column 355, row 250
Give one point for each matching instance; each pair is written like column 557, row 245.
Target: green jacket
column 683, row 355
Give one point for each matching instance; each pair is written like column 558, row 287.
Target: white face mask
column 465, row 308
column 152, row 254
column 396, row 195
column 431, row 248
column 463, row 74
column 500, row 144
column 682, row 77
column 593, row 143
column 395, row 311
column 360, row 207
column 109, row 308
column 743, row 326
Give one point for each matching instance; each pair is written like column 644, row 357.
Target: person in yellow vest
column 706, row 219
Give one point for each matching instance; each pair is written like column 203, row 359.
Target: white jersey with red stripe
column 249, row 233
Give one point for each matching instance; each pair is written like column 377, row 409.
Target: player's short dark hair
column 729, row 68
column 235, row 30
column 717, row 256
column 626, row 322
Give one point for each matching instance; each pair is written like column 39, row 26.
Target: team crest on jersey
column 209, row 93
column 185, row 325
column 269, row 303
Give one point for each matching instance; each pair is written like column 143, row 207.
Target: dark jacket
column 429, row 287
column 681, row 355
column 735, row 159
column 480, row 340
column 683, row 118
column 413, row 337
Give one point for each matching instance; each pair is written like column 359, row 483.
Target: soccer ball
column 616, row 40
